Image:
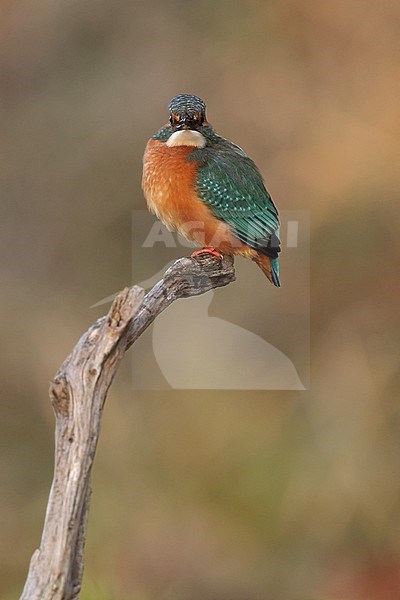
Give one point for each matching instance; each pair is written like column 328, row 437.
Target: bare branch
column 78, row 393
column 186, row 277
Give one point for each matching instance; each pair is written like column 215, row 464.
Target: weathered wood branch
column 78, row 392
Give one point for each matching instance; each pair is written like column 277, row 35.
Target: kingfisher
column 207, row 188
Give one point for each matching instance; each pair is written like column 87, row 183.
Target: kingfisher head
column 186, row 112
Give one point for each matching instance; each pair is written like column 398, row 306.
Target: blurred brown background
column 207, row 495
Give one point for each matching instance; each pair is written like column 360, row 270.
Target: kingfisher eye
column 198, row 118
column 173, row 119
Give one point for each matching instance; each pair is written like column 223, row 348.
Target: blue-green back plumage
column 229, row 182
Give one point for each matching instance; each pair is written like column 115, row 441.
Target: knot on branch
column 197, row 275
column 125, row 306
column 59, row 395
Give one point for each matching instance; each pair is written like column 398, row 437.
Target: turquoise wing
column 229, row 182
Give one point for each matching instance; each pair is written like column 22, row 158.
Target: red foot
column 214, row 251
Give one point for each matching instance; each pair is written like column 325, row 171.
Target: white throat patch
column 186, row 137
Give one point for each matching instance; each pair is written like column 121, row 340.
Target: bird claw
column 214, row 251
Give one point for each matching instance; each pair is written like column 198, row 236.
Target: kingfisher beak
column 185, row 122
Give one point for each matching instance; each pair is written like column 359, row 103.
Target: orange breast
column 169, row 187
